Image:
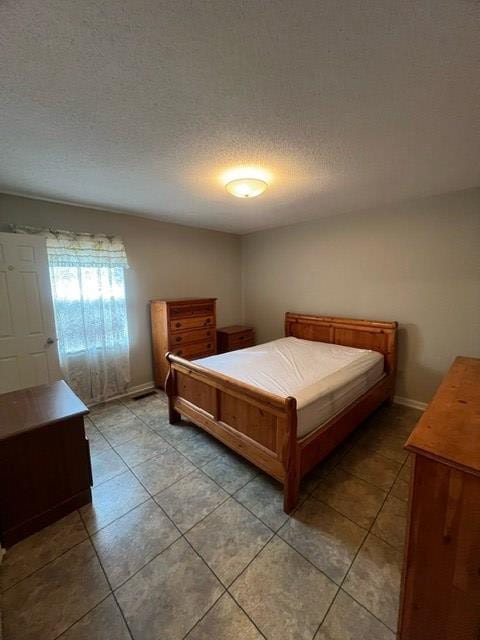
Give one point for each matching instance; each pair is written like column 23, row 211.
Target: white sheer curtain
column 88, row 287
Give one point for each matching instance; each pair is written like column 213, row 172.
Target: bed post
column 291, row 485
column 171, row 391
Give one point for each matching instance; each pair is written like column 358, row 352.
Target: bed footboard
column 260, row 426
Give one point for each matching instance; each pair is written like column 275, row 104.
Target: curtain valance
column 69, row 249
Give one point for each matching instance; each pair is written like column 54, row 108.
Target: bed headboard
column 349, row 332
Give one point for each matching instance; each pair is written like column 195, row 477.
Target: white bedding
column 324, row 378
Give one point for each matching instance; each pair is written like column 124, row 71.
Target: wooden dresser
column 186, row 327
column 441, row 579
column 44, row 458
column 234, row 337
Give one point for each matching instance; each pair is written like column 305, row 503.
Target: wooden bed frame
column 261, row 426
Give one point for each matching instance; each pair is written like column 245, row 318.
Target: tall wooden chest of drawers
column 186, row 327
column 441, row 577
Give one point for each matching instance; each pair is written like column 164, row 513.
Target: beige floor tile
column 225, row 621
column 263, row 496
column 151, row 412
column 167, row 597
column 391, row 522
column 406, row 472
column 283, row 594
column 34, row 552
column 401, row 489
column 355, row 498
column 106, row 465
column 190, row 499
column 347, row 620
column 113, row 499
column 174, row 433
column 110, row 415
column 126, row 545
column 320, row 471
column 323, row 536
column 369, row 466
column 49, row 601
column 230, row 471
column 160, row 472
column 142, row 448
column 200, row 449
column 125, row 431
column 105, row 622
column 374, row 579
column 228, row 539
column 142, row 403
column 96, row 441
column 390, row 445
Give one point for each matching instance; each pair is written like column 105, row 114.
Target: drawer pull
column 178, row 338
column 209, row 346
column 179, row 353
column 242, row 337
column 207, row 321
column 209, row 333
column 178, row 324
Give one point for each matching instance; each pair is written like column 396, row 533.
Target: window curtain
column 88, row 288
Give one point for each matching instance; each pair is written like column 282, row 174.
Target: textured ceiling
column 140, row 105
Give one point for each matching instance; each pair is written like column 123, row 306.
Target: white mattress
column 324, row 378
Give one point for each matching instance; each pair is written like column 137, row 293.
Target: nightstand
column 234, row 337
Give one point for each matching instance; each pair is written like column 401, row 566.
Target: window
column 87, row 274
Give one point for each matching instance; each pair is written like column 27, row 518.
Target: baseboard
column 408, row 402
column 131, row 391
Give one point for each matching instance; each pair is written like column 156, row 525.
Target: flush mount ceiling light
column 246, row 187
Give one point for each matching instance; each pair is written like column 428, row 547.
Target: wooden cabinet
column 186, row 327
column 234, row 337
column 441, row 578
column 45, row 468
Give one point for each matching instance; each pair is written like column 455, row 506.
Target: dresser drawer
column 243, row 339
column 191, row 323
column 196, row 349
column 241, row 342
column 187, row 311
column 194, row 335
column 234, row 337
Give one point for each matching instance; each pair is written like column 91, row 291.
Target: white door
column 28, row 343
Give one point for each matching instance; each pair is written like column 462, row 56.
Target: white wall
column 417, row 263
column 166, row 260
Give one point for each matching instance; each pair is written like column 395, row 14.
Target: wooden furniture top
column 449, row 430
column 234, row 328
column 28, row 409
column 182, row 300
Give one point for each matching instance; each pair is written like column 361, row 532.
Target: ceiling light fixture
column 246, row 187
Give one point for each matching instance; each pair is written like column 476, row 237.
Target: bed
column 285, row 405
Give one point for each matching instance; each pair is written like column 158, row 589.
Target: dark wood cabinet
column 441, row 578
column 45, row 470
column 234, row 337
column 186, row 327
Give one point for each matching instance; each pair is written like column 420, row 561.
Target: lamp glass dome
column 246, row 187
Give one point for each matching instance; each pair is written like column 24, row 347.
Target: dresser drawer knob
column 242, row 337
column 209, row 333
column 178, row 324
column 207, row 321
column 209, row 346
column 178, row 338
column 179, row 353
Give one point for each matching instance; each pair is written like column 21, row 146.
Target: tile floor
column 186, row 540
